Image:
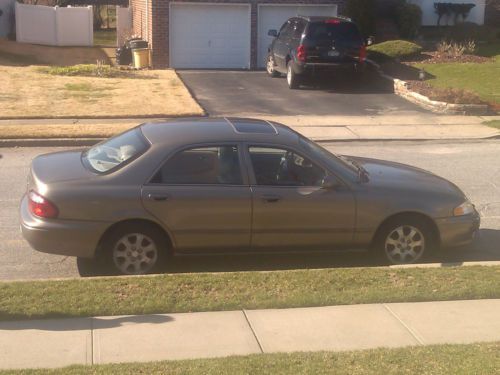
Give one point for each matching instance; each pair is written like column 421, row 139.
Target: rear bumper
column 459, row 230
column 314, row 68
column 63, row 237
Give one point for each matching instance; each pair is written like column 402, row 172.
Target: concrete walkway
column 319, row 128
column 98, row 340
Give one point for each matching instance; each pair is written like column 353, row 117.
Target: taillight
column 333, row 21
column 301, row 53
column 362, row 54
column 41, row 206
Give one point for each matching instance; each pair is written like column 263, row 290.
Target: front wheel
column 292, row 78
column 270, row 67
column 405, row 241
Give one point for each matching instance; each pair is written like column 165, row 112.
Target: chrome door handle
column 158, row 197
column 271, row 198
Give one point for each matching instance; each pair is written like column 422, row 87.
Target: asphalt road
column 474, row 166
column 236, row 93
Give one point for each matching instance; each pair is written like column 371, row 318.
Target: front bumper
column 458, row 230
column 63, row 237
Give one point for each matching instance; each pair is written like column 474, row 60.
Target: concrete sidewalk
column 56, row 343
column 320, row 128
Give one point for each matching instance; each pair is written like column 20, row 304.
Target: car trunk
column 332, row 41
column 56, row 167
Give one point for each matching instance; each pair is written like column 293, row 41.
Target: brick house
column 217, row 33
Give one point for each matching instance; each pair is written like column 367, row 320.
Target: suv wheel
column 291, row 77
column 270, row 67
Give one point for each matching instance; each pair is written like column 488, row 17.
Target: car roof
column 186, row 131
column 323, row 18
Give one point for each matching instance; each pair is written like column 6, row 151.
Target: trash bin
column 141, row 58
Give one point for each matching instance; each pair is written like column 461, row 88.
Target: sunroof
column 252, row 126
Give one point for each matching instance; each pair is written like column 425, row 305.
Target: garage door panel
column 209, row 36
column 274, row 16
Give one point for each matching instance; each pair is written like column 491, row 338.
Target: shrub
column 394, row 49
column 454, row 49
column 408, row 19
column 363, row 13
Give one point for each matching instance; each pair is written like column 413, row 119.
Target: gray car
column 194, row 186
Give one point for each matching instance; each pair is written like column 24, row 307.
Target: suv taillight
column 41, row 206
column 362, row 54
column 301, row 53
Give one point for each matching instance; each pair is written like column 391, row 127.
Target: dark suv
column 307, row 45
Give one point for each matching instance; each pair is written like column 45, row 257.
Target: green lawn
column 243, row 290
column 494, row 124
column 483, row 79
column 105, row 38
column 478, row 359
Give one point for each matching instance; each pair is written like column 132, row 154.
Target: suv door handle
column 158, row 197
column 271, row 198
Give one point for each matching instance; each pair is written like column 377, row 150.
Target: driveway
column 237, row 93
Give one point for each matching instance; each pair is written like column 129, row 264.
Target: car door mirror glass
column 272, row 33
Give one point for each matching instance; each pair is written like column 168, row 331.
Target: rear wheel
column 405, row 240
column 292, row 78
column 136, row 249
column 271, row 71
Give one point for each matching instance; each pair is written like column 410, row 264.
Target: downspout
column 147, row 20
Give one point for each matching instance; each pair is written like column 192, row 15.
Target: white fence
column 54, row 26
column 430, row 17
column 123, row 24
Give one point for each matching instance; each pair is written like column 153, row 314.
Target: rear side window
column 201, row 166
column 345, row 32
column 115, row 152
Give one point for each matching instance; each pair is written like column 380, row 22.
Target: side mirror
column 272, row 33
column 330, row 183
column 370, row 40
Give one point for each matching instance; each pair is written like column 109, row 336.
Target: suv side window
column 298, row 29
column 286, row 29
column 202, row 165
column 280, row 167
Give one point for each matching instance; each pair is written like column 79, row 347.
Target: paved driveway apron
column 236, row 93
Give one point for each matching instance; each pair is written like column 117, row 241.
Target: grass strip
column 476, row 359
column 242, row 290
column 77, row 130
column 493, row 124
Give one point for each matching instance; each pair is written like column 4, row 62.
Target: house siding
column 158, row 33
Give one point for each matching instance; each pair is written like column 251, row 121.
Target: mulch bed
column 436, row 58
column 449, row 95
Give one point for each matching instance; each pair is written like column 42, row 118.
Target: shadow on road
column 484, row 249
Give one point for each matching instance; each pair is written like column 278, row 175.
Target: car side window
column 285, row 30
column 281, row 167
column 202, row 165
column 298, row 29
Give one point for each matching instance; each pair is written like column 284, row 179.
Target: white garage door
column 209, row 36
column 273, row 16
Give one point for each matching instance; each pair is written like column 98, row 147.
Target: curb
column 401, row 89
column 84, row 142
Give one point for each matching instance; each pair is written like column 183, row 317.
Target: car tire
column 271, row 71
column 405, row 240
column 136, row 249
column 292, row 78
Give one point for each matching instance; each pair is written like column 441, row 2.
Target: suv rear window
column 115, row 152
column 346, row 32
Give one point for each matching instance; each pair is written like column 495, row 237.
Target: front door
column 200, row 196
column 290, row 207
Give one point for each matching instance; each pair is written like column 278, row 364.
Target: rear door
column 290, row 208
column 332, row 41
column 280, row 47
column 202, row 197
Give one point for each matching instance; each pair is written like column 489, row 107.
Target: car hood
column 59, row 166
column 405, row 177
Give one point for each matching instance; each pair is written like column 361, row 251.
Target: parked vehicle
column 305, row 46
column 192, row 186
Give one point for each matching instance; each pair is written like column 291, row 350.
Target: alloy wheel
column 404, row 244
column 135, row 254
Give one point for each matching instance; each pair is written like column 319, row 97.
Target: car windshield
column 318, row 151
column 345, row 32
column 113, row 153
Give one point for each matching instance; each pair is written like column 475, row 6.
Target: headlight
column 465, row 208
